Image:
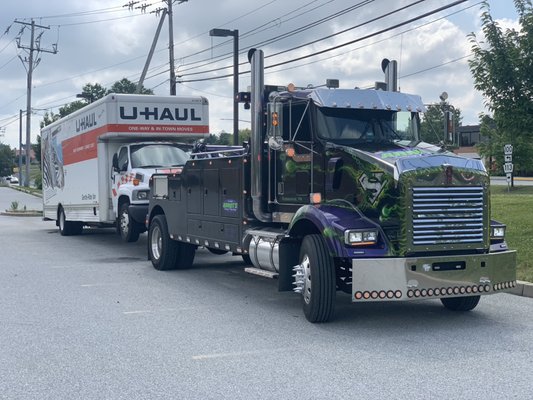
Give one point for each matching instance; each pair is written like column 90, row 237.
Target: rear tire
column 319, row 287
column 461, row 303
column 129, row 229
column 167, row 254
column 68, row 228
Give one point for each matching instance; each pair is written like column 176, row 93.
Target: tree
column 502, row 67
column 432, row 124
column 37, row 149
column 127, row 86
column 90, row 93
column 48, row 118
column 6, row 160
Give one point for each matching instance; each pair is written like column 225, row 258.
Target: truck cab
column 132, row 166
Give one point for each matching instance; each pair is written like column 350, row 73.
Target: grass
column 514, row 210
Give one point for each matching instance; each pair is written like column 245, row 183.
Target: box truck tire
column 129, row 229
column 68, row 228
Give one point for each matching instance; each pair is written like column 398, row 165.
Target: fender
column 331, row 220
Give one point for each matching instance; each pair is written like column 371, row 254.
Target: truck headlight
column 141, row 195
column 497, row 232
column 361, row 237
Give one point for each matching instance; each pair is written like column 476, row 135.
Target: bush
column 39, row 182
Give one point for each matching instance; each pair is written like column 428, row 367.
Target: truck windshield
column 157, row 155
column 353, row 126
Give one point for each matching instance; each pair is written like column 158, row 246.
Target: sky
column 103, row 41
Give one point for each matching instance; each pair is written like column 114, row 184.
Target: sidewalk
column 10, row 195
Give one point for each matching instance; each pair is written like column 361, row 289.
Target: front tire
column 167, row 254
column 461, row 303
column 319, row 285
column 129, row 229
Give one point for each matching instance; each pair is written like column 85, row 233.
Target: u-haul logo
column 85, row 122
column 158, row 114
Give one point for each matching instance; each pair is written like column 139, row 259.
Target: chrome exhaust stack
column 256, row 58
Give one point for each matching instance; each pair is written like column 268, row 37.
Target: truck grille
column 447, row 215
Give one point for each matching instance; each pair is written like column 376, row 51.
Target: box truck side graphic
column 336, row 192
column 97, row 161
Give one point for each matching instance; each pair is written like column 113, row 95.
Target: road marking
column 98, row 284
column 235, row 354
column 161, row 310
column 137, row 312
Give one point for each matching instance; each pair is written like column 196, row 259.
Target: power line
column 247, row 34
column 318, row 40
column 434, row 11
column 381, row 40
column 290, row 33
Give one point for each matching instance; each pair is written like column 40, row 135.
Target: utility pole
column 152, row 48
column 34, row 46
column 171, row 49
column 20, row 147
column 143, row 7
column 171, row 45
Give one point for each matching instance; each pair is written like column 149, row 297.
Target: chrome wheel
column 62, row 221
column 307, row 279
column 156, row 242
column 302, row 278
column 124, row 222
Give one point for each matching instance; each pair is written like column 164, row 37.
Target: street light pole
column 235, row 34
column 20, row 147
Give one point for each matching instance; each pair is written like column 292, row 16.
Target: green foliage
column 510, row 208
column 225, row 139
column 432, row 124
column 37, row 149
column 244, row 135
column 90, row 93
column 7, row 157
column 127, row 86
column 502, row 71
column 39, row 182
column 14, row 206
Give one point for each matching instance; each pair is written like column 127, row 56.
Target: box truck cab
column 132, row 166
column 97, row 161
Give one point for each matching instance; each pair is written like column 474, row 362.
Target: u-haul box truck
column 97, row 162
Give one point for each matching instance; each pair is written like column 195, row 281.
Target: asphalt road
column 87, row 317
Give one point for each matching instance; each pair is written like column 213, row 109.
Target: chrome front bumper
column 392, row 279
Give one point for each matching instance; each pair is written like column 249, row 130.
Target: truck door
column 119, row 172
column 293, row 162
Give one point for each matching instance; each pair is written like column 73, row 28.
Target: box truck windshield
column 157, row 155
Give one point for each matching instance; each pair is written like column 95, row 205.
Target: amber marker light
column 275, row 120
column 290, row 152
column 316, row 198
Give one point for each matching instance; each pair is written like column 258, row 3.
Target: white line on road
column 235, row 354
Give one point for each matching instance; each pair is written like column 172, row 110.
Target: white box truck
column 97, row 161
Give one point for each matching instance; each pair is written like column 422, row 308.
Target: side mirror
column 115, row 163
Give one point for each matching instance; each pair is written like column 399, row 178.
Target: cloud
column 118, row 45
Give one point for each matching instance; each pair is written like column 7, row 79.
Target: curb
column 29, row 213
column 522, row 288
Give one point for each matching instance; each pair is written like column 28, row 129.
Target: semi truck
column 335, row 192
column 97, row 161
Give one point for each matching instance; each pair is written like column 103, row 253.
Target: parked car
column 13, row 180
